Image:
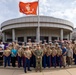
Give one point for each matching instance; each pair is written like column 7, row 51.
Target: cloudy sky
column 65, row 9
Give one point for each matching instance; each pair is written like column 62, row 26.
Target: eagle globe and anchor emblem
column 28, row 9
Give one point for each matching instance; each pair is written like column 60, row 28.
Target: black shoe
column 29, row 70
column 25, row 71
column 60, row 67
column 55, row 67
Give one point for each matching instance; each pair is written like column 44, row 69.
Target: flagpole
column 38, row 28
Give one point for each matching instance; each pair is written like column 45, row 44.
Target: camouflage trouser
column 38, row 64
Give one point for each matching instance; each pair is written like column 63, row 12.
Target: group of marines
column 40, row 55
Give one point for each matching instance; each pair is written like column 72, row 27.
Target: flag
column 28, row 8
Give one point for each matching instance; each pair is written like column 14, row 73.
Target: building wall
column 32, row 21
column 32, row 32
column 26, row 26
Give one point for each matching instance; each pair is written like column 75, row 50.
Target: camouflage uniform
column 59, row 56
column 44, row 55
column 33, row 56
column 23, row 58
column 6, row 54
column 54, row 53
column 38, row 54
column 27, row 54
column 48, row 54
column 19, row 57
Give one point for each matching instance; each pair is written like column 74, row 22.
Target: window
column 9, row 40
column 42, row 38
column 54, row 38
column 33, row 38
column 20, row 39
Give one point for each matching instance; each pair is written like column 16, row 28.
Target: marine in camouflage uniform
column 15, row 45
column 23, row 57
column 38, row 54
column 6, row 54
column 59, row 56
column 31, row 59
column 27, row 54
column 54, row 53
column 44, row 55
column 48, row 54
column 34, row 59
column 19, row 57
column 29, row 43
column 56, row 45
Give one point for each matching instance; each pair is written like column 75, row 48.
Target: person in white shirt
column 2, row 45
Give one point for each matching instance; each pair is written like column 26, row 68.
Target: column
column 61, row 34
column 13, row 34
column 49, row 38
column 3, row 38
column 70, row 36
column 38, row 34
column 25, row 39
column 58, row 38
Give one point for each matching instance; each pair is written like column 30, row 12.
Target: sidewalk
column 51, row 71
